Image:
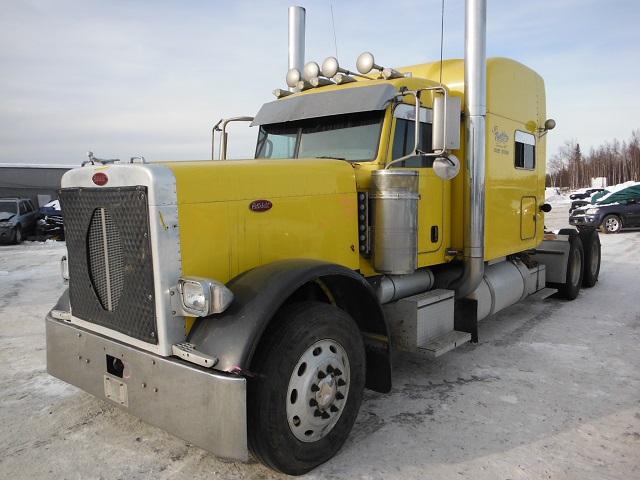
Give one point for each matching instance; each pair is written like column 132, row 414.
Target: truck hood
column 264, row 179
column 239, row 214
column 4, row 216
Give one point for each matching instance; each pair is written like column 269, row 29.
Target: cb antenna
column 441, row 40
column 335, row 39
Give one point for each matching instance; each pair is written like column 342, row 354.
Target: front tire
column 308, row 385
column 611, row 224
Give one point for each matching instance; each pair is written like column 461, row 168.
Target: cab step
column 424, row 323
column 188, row 352
column 444, row 343
column 542, row 294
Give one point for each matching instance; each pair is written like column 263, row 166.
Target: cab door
column 431, row 188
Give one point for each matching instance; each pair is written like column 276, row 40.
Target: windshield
column 353, row 136
column 9, row 207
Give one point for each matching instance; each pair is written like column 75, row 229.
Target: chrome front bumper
column 201, row 406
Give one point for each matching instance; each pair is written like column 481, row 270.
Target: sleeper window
column 525, row 151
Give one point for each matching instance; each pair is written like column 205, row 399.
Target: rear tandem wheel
column 575, row 267
column 592, row 256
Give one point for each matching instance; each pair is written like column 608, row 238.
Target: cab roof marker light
column 342, row 78
column 281, row 93
column 331, row 69
column 389, row 73
column 293, row 77
column 366, row 63
column 303, row 85
column 320, row 82
column 311, row 70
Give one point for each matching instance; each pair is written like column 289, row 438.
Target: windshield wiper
column 333, row 158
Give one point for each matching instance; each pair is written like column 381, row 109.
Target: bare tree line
column 617, row 162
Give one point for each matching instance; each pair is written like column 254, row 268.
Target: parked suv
column 580, row 198
column 17, row 219
column 610, row 218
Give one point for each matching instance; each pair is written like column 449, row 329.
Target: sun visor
column 323, row 104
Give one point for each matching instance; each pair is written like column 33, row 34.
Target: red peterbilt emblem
column 259, row 206
column 100, row 179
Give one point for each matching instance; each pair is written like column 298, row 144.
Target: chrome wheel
column 304, row 397
column 318, row 390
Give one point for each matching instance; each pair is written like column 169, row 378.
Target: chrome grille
column 105, row 259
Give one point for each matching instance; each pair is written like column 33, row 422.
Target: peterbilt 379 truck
column 244, row 305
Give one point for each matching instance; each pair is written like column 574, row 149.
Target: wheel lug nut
column 321, row 374
column 341, row 382
column 317, row 413
column 339, row 396
column 325, row 416
column 329, row 369
column 337, row 372
column 313, row 402
column 333, row 408
column 315, row 388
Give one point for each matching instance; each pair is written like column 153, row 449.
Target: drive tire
column 611, row 224
column 571, row 287
column 592, row 257
column 313, row 352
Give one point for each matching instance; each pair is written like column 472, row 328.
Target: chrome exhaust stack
column 297, row 18
column 475, row 94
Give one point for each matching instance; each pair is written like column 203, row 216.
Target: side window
column 525, row 150
column 29, row 206
column 404, row 135
column 23, row 208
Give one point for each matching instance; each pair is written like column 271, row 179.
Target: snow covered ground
column 555, row 198
column 551, row 391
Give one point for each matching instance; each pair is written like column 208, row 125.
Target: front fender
column 232, row 336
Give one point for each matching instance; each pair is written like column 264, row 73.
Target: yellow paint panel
column 313, row 214
column 528, row 218
column 515, row 101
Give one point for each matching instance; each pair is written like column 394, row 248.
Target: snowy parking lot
column 552, row 390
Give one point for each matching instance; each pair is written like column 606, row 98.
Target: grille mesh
column 110, row 259
column 105, row 259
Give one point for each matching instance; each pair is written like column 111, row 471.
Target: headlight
column 201, row 296
column 6, row 224
column 592, row 211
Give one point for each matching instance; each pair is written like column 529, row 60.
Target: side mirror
column 446, row 166
column 446, row 123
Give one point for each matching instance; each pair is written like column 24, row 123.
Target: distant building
column 40, row 183
column 599, row 182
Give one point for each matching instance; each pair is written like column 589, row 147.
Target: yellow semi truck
column 244, row 305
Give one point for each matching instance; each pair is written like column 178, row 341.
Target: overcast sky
column 141, row 77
